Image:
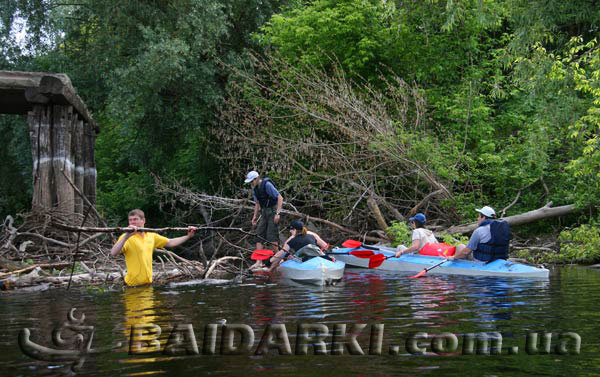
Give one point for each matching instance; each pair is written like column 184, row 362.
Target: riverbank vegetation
column 362, row 112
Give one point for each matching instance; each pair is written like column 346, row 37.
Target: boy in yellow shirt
column 139, row 246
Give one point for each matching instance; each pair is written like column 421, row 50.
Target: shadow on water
column 403, row 319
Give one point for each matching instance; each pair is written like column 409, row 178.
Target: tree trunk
column 523, row 218
column 376, row 212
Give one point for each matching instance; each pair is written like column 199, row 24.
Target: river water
column 259, row 327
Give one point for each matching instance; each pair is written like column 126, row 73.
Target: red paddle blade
column 264, row 252
column 362, row 253
column 420, row 274
column 376, row 260
column 261, row 254
column 351, row 244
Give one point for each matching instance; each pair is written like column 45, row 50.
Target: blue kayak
column 316, row 270
column 416, row 263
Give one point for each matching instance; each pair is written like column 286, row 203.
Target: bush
column 399, row 233
column 580, row 244
column 453, row 239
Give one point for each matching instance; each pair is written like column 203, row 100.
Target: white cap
column 251, row 176
column 487, row 211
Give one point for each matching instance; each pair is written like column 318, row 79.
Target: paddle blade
column 376, row 260
column 351, row 244
column 362, row 253
column 261, row 254
column 420, row 274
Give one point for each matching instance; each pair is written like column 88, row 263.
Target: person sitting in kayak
column 420, row 236
column 303, row 243
column 489, row 241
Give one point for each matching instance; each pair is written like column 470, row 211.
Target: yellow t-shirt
column 138, row 256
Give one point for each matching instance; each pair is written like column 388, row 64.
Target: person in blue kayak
column 420, row 236
column 268, row 202
column 490, row 241
column 303, row 243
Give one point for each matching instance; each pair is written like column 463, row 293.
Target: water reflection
column 369, row 299
column 433, row 304
column 140, row 308
column 142, row 327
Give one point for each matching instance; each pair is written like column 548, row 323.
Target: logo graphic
column 72, row 346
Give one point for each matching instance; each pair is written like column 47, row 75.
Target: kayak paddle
column 262, row 254
column 377, row 259
column 424, row 271
column 357, row 253
column 352, row 244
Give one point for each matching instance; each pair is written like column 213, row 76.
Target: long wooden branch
column 33, row 267
column 541, row 213
column 87, row 229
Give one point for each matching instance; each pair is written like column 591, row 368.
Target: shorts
column 267, row 229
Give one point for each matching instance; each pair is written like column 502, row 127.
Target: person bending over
column 303, row 243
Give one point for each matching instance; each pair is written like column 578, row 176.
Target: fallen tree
column 45, row 252
column 545, row 212
column 214, row 203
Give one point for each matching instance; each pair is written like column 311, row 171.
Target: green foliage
column 152, row 74
column 580, row 244
column 357, row 33
column 584, row 64
column 15, row 170
column 502, row 102
column 125, row 191
column 537, row 257
column 453, row 239
column 399, row 233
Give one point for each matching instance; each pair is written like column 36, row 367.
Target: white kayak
column 316, row 270
column 416, row 263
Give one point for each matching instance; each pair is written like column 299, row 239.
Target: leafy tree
column 150, row 71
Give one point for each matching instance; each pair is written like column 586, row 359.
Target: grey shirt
column 482, row 234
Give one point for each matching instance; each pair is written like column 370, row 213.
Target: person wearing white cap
column 268, row 201
column 490, row 241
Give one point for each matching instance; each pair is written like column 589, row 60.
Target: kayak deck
column 416, row 263
column 316, row 270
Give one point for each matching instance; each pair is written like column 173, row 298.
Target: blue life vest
column 497, row 246
column 264, row 199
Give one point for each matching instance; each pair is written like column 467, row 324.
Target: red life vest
column 438, row 249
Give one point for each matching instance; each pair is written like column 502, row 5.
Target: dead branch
column 539, row 214
column 33, row 267
column 218, row 261
column 330, row 140
column 221, row 203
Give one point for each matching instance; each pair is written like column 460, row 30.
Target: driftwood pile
column 44, row 252
column 47, row 250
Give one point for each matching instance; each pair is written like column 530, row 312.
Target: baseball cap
column 487, row 211
column 297, row 224
column 419, row 217
column 251, row 176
